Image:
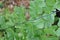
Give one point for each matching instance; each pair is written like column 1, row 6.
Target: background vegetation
column 14, row 26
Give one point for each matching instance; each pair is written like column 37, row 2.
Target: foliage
column 14, row 26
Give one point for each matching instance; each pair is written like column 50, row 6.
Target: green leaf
column 49, row 31
column 50, row 3
column 2, row 20
column 48, row 19
column 10, row 23
column 58, row 32
column 48, row 9
column 58, row 5
column 10, row 34
column 39, row 23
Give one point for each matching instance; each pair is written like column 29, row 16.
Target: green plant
column 14, row 26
